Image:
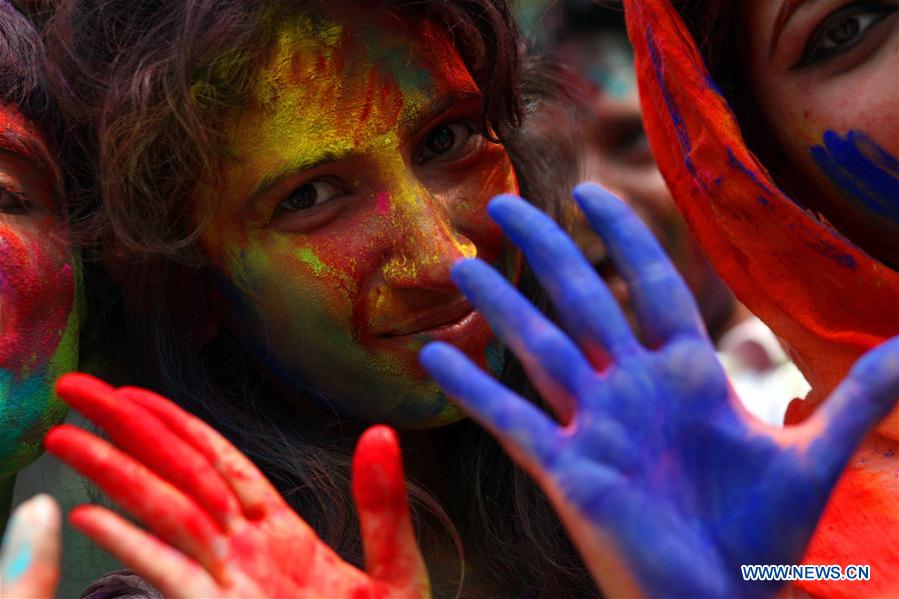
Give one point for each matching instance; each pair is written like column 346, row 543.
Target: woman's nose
column 424, row 254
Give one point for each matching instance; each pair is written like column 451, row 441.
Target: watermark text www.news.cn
column 794, row 572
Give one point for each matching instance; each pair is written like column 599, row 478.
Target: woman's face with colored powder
column 361, row 174
column 826, row 76
column 38, row 308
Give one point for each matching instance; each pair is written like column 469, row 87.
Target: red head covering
column 827, row 299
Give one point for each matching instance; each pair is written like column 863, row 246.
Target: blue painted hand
column 664, row 482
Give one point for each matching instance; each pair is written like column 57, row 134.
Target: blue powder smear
column 862, row 170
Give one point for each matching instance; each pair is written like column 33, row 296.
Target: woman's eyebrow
column 415, row 122
column 304, row 164
column 12, row 142
column 787, row 10
column 410, row 124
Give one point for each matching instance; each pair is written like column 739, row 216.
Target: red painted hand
column 220, row 528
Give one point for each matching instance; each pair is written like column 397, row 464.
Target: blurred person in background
column 596, row 124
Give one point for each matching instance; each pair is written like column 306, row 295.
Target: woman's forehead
column 334, row 88
column 360, row 51
column 16, row 131
column 20, row 138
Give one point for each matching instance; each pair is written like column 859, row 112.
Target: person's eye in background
column 624, row 141
column 841, row 30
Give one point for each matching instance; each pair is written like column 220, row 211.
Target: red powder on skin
column 323, row 294
column 380, row 492
column 382, row 201
column 366, row 111
column 36, row 295
column 37, row 281
column 856, row 530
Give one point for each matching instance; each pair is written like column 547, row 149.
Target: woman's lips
column 457, row 330
column 425, row 320
column 454, row 324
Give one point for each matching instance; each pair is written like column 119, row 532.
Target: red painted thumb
column 392, row 556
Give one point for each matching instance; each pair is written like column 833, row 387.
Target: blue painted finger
column 583, row 301
column 525, row 431
column 661, row 300
column 861, row 400
column 553, row 362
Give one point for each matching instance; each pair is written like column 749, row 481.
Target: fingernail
column 28, row 523
column 377, row 469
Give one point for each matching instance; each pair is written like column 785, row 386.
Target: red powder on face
column 36, row 295
column 37, row 282
column 382, row 201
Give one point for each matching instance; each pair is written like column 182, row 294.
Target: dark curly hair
column 25, row 74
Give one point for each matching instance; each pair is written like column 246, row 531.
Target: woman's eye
column 308, row 196
column 12, row 203
column 841, row 30
column 445, row 141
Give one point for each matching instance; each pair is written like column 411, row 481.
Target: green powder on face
column 313, row 261
column 28, row 404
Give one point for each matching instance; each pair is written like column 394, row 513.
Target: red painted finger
column 163, row 508
column 170, row 571
column 392, row 556
column 253, row 491
column 140, row 434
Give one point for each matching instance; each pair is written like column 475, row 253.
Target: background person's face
column 616, row 154
column 38, row 312
column 826, row 77
column 360, row 177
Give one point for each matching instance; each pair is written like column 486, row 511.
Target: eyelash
column 813, row 53
column 285, row 206
column 471, row 131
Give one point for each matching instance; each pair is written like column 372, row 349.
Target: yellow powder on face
column 360, row 94
column 320, row 96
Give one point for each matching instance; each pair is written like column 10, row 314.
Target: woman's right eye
column 12, row 203
column 308, row 196
column 842, row 29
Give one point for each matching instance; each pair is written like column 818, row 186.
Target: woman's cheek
column 37, row 289
column 291, row 286
column 493, row 176
column 38, row 339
